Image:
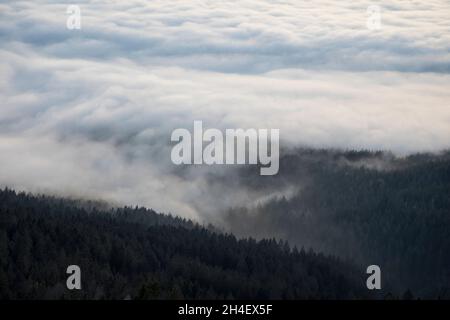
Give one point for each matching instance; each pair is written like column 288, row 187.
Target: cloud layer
column 90, row 111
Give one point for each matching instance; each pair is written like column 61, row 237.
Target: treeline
column 369, row 207
column 135, row 253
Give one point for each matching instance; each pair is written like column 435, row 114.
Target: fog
column 90, row 112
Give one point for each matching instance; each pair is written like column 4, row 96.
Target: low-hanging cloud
column 89, row 112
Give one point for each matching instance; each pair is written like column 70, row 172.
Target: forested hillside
column 361, row 208
column 371, row 208
column 139, row 254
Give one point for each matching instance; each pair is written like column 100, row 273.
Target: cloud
column 90, row 111
column 240, row 36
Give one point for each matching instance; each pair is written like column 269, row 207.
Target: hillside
column 139, row 254
column 368, row 207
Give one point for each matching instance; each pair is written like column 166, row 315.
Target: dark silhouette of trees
column 368, row 207
column 137, row 253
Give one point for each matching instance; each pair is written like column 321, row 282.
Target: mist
column 89, row 113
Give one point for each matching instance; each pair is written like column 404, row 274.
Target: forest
column 350, row 209
column 367, row 207
column 136, row 253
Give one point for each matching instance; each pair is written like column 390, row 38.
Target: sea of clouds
column 89, row 112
